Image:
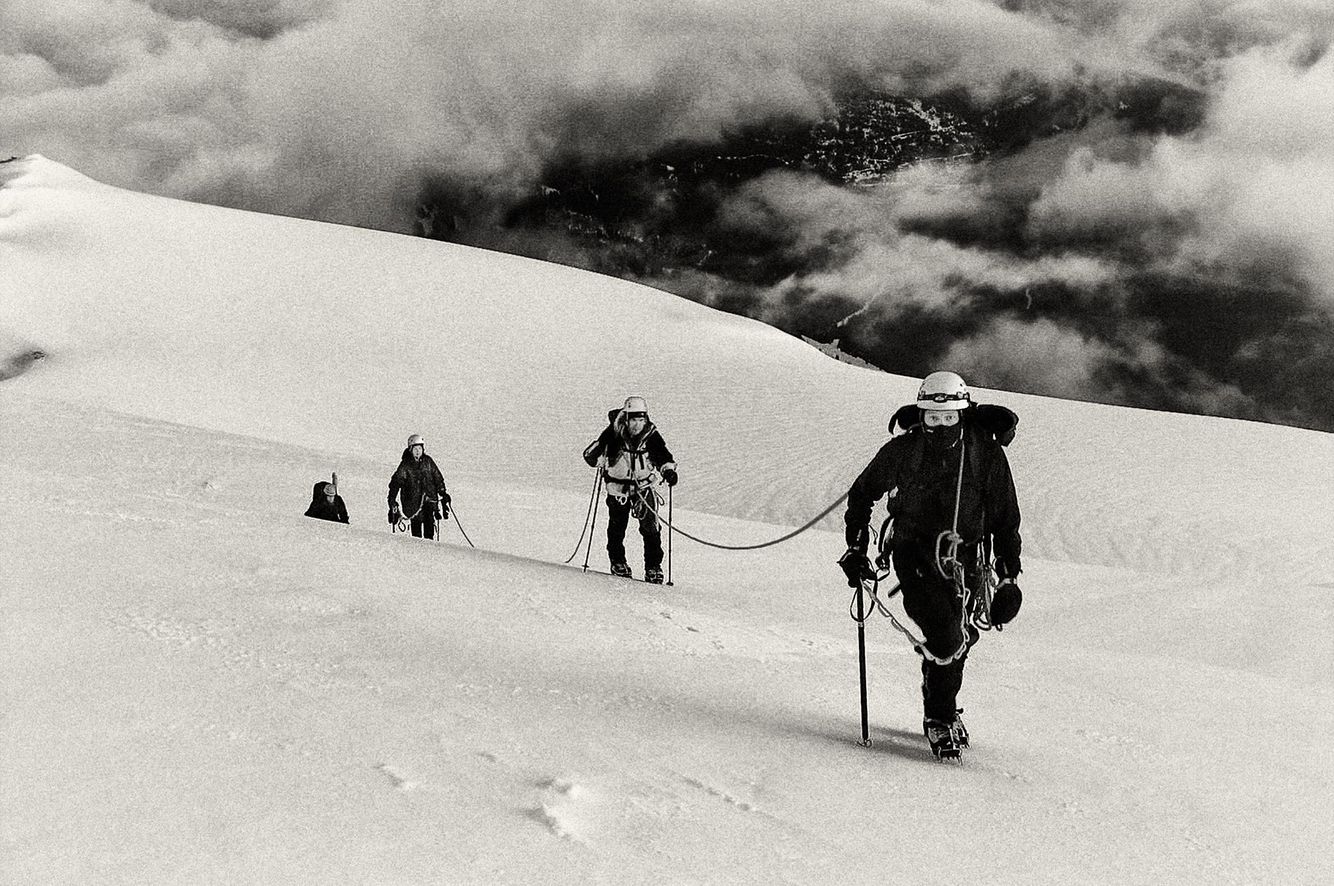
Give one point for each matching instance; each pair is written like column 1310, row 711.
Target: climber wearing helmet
column 950, row 492
column 630, row 451
column 420, row 487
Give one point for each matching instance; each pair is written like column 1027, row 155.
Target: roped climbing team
column 946, row 476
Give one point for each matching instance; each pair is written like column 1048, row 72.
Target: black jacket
column 922, row 481
column 629, row 460
column 321, row 509
column 418, row 483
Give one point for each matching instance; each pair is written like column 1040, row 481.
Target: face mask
column 943, row 436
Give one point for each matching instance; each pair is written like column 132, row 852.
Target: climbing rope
column 816, row 519
column 455, row 512
column 592, row 503
column 872, row 588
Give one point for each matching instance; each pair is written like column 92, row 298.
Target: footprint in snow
column 569, row 810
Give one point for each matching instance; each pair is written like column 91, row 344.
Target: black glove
column 592, row 459
column 1005, row 602
column 670, row 476
column 856, row 567
column 442, row 510
column 393, row 514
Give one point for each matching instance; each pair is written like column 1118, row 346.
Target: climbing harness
column 405, row 522
column 640, row 494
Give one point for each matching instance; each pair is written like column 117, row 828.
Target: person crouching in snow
column 420, row 487
column 629, row 451
column 326, row 503
column 950, row 488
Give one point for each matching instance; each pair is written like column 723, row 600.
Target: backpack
column 997, row 421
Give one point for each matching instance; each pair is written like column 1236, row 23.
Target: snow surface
column 201, row 686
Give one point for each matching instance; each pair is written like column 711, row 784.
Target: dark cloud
column 260, row 19
column 1184, row 270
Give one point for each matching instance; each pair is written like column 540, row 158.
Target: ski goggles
column 941, row 418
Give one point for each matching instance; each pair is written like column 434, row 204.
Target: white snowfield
column 202, row 686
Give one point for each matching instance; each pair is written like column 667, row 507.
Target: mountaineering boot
column 621, row 569
column 653, row 576
column 940, row 735
column 960, row 730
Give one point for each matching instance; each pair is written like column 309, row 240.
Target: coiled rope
column 404, row 521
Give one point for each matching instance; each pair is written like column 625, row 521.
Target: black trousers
column 933, row 602
column 618, row 519
column 423, row 525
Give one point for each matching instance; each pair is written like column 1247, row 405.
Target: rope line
column 455, row 512
column 816, row 519
column 592, row 503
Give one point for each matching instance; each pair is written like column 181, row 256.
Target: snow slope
column 201, row 686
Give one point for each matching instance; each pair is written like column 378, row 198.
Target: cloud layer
column 1089, row 251
column 1185, row 271
column 331, row 109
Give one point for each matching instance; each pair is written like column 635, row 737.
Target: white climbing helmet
column 417, row 440
column 943, row 390
column 635, row 406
